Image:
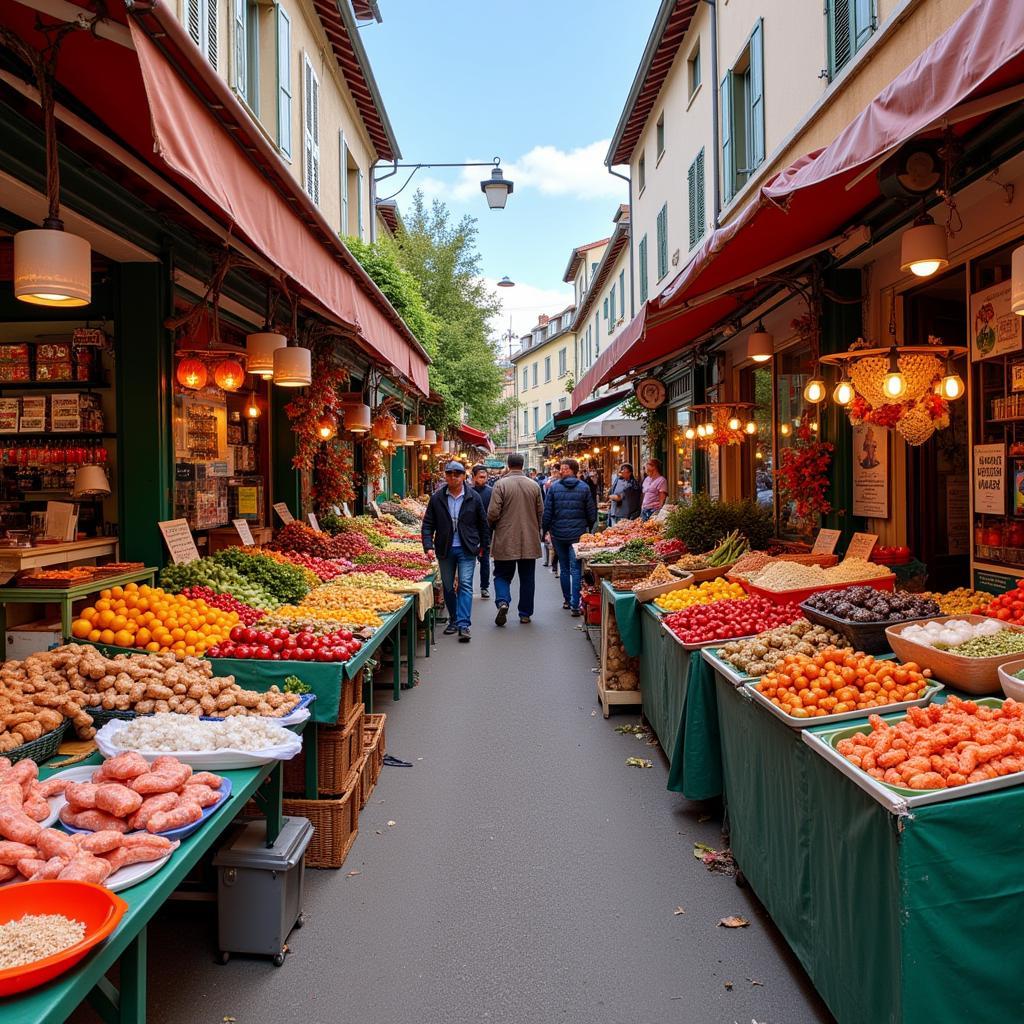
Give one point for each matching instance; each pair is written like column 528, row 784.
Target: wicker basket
column 338, row 750
column 351, row 695
column 335, row 826
column 624, row 576
column 42, row 749
column 100, row 716
column 374, row 741
column 366, row 780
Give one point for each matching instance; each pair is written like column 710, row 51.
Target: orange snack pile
column 835, row 681
column 153, row 620
column 942, row 745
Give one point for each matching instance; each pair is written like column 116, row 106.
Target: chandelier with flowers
column 721, row 423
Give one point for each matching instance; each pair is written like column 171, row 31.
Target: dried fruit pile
column 763, row 652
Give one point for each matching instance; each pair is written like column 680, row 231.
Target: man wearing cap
column 455, row 527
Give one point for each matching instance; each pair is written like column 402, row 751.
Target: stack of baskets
column 372, row 760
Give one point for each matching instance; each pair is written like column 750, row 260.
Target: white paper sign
column 313, row 522
column 242, row 526
column 995, row 328
column 825, row 543
column 374, row 509
column 990, row 479
column 179, row 540
column 345, row 510
column 861, row 545
column 283, row 512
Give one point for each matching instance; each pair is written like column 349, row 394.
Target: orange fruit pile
column 153, row 620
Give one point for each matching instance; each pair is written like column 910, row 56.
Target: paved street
column 529, row 875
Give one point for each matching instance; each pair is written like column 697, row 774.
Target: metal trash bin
column 259, row 888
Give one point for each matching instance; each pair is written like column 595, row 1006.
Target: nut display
column 865, row 604
column 657, row 578
column 961, row 601
column 763, row 652
column 785, row 575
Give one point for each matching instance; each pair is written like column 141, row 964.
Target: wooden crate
column 335, row 826
column 608, row 696
column 338, row 750
column 650, row 593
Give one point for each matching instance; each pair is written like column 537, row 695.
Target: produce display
column 962, row 601
column 725, row 619
column 323, row 569
column 304, row 616
column 411, row 559
column 692, row 563
column 630, row 552
column 205, row 572
column 1009, row 606
column 1006, row 641
column 281, row 644
column 750, row 564
column 731, row 549
column 832, row 682
column 401, row 513
column 620, row 671
column 341, row 596
column 949, row 635
column 710, row 590
column 37, row 936
column 785, row 575
column 21, row 790
column 865, row 604
column 392, row 573
column 657, row 578
column 942, row 745
column 173, row 733
column 763, row 652
column 297, row 623
column 378, row 579
column 225, row 602
column 669, row 549
column 628, row 529
column 298, row 537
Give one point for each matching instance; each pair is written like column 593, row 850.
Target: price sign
column 179, row 540
column 242, row 526
column 826, row 541
column 313, row 522
column 345, row 510
column 861, row 545
column 283, row 512
column 374, row 509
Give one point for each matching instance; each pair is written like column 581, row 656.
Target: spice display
column 175, row 733
column 942, row 745
column 835, row 681
column 710, row 590
column 796, row 576
column 723, row 620
column 278, row 643
column 865, row 604
column 1006, row 641
column 763, row 652
column 37, row 936
column 951, row 634
column 659, row 576
column 751, row 564
column 962, row 601
column 692, row 563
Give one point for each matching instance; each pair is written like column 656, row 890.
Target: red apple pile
column 280, row 644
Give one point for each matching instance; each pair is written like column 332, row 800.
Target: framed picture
column 1017, row 469
column 870, row 471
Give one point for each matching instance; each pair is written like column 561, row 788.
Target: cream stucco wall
column 536, row 397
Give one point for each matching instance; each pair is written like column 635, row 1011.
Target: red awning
column 819, row 194
column 186, row 123
column 628, row 337
column 479, row 438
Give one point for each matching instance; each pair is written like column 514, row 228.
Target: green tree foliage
column 431, row 274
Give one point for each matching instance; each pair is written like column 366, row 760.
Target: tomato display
column 1009, row 606
column 280, row 644
column 725, row 619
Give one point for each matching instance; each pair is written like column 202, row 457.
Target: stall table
column 15, row 560
column 905, row 917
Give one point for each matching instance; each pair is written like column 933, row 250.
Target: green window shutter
column 343, row 179
column 359, row 202
column 756, row 156
column 642, row 262
column 606, row 307
column 863, row 22
column 611, row 306
column 691, row 193
column 728, row 152
column 597, row 334
column 695, row 187
column 663, row 241
column 622, row 291
column 284, row 82
column 839, row 29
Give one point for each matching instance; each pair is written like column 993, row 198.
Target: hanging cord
column 950, row 151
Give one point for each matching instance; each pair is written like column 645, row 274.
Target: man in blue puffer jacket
column 569, row 512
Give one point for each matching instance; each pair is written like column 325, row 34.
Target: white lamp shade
column 293, row 367
column 760, row 346
column 259, row 352
column 430, row 437
column 52, row 268
column 415, row 432
column 923, row 249
column 1017, row 281
column 357, row 418
column 90, row 481
column 398, row 434
column 497, row 189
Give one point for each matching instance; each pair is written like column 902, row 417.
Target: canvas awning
column 581, row 413
column 610, row 423
column 475, row 437
column 972, row 69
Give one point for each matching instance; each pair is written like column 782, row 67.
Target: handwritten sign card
column 179, row 540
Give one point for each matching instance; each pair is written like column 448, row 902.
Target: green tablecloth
column 679, row 702
column 910, row 919
column 627, row 617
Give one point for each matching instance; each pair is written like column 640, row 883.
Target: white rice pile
column 170, row 732
column 37, row 936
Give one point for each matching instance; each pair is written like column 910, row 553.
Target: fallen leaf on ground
column 354, row 871
column 678, row 911
column 702, row 818
column 753, row 982
column 733, row 921
column 593, row 713
column 715, row 860
column 632, row 730
column 391, row 824
column 639, row 762
column 728, row 986
column 228, row 1020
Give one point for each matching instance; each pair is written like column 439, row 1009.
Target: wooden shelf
column 53, row 385
column 1007, row 419
column 59, row 433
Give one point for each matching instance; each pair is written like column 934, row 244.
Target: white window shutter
column 359, row 203
column 211, row 48
column 194, row 19
column 239, row 45
column 343, row 179
column 316, row 139
column 311, row 131
column 284, row 82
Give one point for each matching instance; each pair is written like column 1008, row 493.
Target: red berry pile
column 325, row 568
column 725, row 620
column 246, row 613
column 298, row 537
column 282, row 645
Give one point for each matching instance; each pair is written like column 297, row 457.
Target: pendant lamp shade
column 923, row 248
column 415, row 432
column 52, row 268
column 430, row 437
column 760, row 345
column 293, row 367
column 260, row 349
column 229, row 375
column 90, row 482
column 192, row 374
column 357, row 419
column 398, row 434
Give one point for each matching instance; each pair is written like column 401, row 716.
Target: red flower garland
column 803, row 474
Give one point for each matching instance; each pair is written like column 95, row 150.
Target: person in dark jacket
column 455, row 528
column 484, row 490
column 625, row 496
column 569, row 512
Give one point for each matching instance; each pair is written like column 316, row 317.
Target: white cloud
column 575, row 173
column 524, row 303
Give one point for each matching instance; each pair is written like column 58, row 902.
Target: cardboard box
column 55, row 370
column 53, row 352
column 14, row 373
column 31, row 638
column 14, row 354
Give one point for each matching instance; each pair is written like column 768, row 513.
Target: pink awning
column 479, row 438
column 627, row 339
column 819, row 194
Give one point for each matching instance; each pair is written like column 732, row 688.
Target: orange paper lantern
column 192, row 373
column 229, row 375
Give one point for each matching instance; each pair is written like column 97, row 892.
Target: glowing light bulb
column 785, row 429
column 734, row 423
column 952, row 387
column 750, row 428
column 252, row 410
column 702, row 431
column 895, row 384
column 843, row 394
column 814, row 392
column 689, row 433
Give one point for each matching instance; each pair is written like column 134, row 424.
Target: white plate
column 211, row 760
column 125, row 878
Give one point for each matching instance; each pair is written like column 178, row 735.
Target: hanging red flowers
column 803, row 473
column 304, row 411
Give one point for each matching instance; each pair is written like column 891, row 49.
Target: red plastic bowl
column 98, row 908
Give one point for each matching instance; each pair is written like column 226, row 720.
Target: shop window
column 681, row 460
column 793, row 369
column 757, row 454
column 742, row 106
column 284, row 82
column 849, row 25
column 202, row 27
column 642, row 260
column 695, row 192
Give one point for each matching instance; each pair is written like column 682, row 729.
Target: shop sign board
column 861, row 545
column 242, row 526
column 247, row 500
column 184, row 472
column 179, row 540
column 826, row 541
column 870, row 471
column 995, row 328
column 314, row 522
column 990, row 479
column 283, row 512
column 993, row 582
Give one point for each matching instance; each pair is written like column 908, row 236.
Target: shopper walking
column 569, row 512
column 550, row 552
column 624, row 496
column 455, row 527
column 515, row 515
column 655, row 488
column 483, row 489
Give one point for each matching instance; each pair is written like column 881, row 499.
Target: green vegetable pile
column 205, row 572
column 631, row 551
column 1006, row 641
column 293, row 684
column 729, row 550
column 703, row 523
column 286, row 583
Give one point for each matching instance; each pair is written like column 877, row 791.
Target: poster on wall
column 870, row 471
column 995, row 328
column 990, row 479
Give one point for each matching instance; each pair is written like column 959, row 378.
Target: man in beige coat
column 514, row 515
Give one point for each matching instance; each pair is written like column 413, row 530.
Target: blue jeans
column 648, row 512
column 459, row 603
column 569, row 572
column 485, row 569
column 503, row 573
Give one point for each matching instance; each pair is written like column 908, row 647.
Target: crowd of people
column 512, row 520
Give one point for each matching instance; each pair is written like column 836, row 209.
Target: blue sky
column 540, row 84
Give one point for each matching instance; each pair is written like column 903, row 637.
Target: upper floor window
column 561, row 404
column 849, row 24
column 201, row 17
column 311, row 130
column 743, row 114
column 695, row 188
column 593, row 268
column 605, row 307
column 526, row 379
column 246, row 52
column 693, row 68
column 547, row 411
column 663, row 241
column 284, row 82
column 526, row 421
column 563, row 368
column 660, row 135
column 642, row 267
column 533, row 373
column 547, row 369
column 343, row 179
column 611, row 310
column 622, row 292
column 641, row 173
